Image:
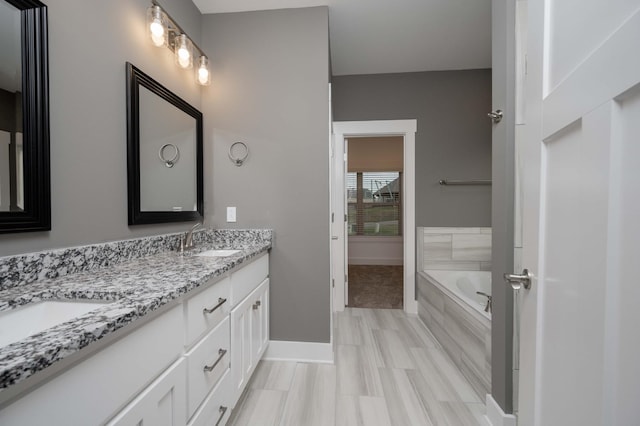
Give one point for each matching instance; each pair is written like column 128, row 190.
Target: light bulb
column 156, row 28
column 182, row 51
column 157, row 25
column 183, row 57
column 203, row 75
column 157, row 33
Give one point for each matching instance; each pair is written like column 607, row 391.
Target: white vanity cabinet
column 179, row 368
column 140, row 366
column 249, row 335
column 226, row 334
column 248, row 287
column 249, row 323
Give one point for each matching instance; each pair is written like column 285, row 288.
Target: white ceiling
column 384, row 36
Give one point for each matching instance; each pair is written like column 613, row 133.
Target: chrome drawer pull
column 211, row 367
column 256, row 305
column 223, row 410
column 220, row 302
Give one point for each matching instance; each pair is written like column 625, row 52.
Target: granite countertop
column 131, row 289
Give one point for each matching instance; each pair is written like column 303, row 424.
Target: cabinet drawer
column 206, row 364
column 216, row 408
column 161, row 403
column 248, row 278
column 207, row 309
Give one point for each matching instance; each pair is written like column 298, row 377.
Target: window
column 374, row 203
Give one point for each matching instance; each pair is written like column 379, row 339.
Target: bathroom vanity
column 174, row 340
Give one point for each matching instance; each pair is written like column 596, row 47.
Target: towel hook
column 238, row 158
column 169, row 163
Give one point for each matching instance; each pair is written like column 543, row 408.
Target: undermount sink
column 16, row 324
column 218, row 253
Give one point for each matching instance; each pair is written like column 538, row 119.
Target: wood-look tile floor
column 389, row 370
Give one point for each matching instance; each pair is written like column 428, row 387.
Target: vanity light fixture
column 164, row 32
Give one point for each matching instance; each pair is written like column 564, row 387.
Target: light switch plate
column 231, row 214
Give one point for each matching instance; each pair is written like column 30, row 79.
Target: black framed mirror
column 25, row 192
column 164, row 153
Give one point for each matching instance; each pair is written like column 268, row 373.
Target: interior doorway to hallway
column 374, row 194
column 351, row 220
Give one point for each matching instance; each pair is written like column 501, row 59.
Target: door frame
column 407, row 129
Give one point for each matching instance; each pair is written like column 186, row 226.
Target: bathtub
column 461, row 286
column 451, row 309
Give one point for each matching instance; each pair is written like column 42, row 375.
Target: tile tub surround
column 454, row 249
column 465, row 336
column 136, row 288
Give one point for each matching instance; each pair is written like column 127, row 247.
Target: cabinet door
column 161, row 403
column 260, row 321
column 241, row 351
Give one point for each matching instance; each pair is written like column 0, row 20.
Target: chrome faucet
column 188, row 240
column 489, row 304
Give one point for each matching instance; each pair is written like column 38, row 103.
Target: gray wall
column 89, row 43
column 453, row 139
column 504, row 74
column 270, row 90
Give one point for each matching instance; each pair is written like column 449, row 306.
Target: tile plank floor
column 389, row 371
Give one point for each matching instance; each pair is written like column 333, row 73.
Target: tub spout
column 488, row 307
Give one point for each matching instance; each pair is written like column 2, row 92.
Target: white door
column 580, row 347
column 339, row 235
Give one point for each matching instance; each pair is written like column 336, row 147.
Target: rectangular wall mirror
column 164, row 142
column 25, row 194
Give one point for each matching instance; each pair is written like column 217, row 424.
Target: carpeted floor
column 375, row 286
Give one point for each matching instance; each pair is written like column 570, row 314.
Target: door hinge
column 332, row 217
column 345, row 217
column 346, row 278
column 333, row 282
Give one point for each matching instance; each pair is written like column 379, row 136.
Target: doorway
column 374, row 222
column 341, row 227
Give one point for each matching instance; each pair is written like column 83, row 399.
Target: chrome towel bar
column 465, row 182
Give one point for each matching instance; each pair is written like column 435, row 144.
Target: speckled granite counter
column 131, row 288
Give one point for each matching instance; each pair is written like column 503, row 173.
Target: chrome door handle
column 496, row 116
column 518, row 281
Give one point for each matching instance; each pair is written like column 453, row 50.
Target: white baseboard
column 496, row 416
column 279, row 350
column 411, row 307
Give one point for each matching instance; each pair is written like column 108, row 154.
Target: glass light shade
column 203, row 74
column 183, row 51
column 157, row 25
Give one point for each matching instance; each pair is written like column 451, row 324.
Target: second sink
column 218, row 253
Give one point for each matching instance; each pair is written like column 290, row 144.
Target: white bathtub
column 461, row 286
